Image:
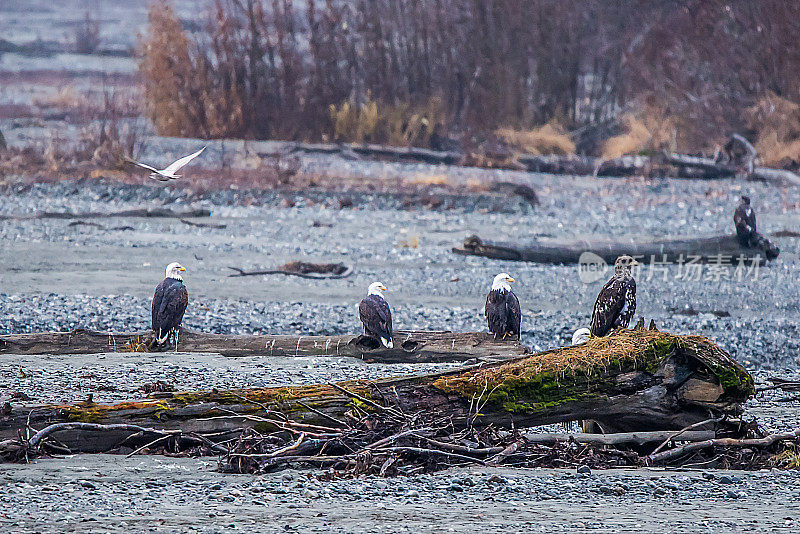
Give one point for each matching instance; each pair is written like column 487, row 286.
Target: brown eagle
column 169, row 304
column 375, row 315
column 502, row 308
column 616, row 302
column 745, row 220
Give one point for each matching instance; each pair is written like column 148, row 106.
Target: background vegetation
column 590, row 76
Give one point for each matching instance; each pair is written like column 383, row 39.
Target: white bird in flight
column 168, row 173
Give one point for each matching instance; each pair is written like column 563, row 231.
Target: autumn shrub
column 551, row 138
column 646, row 130
column 775, row 122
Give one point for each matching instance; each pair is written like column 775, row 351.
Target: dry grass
column 411, row 242
column 647, row 130
column 776, row 122
column 551, row 138
column 788, row 459
column 376, row 122
column 137, row 344
column 430, row 179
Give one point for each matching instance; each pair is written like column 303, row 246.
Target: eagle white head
column 624, row 264
column 375, row 288
column 174, row 269
column 581, row 335
column 501, row 282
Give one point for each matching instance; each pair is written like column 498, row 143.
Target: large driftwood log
column 709, row 168
column 719, row 249
column 410, row 347
column 143, row 212
column 380, row 152
column 632, row 381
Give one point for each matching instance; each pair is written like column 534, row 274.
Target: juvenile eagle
column 745, row 220
column 502, row 308
column 616, row 302
column 169, row 305
column 375, row 315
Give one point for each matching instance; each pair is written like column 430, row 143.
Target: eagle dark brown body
column 616, row 303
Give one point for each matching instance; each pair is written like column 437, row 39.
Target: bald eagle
column 745, row 220
column 169, row 305
column 375, row 315
column 502, row 308
column 616, row 302
column 581, row 335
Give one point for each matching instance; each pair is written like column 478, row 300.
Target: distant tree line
column 427, row 71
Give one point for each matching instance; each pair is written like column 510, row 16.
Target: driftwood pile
column 663, row 399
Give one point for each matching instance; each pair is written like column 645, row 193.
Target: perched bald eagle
column 745, row 220
column 581, row 335
column 375, row 315
column 169, row 305
column 502, row 308
column 616, row 302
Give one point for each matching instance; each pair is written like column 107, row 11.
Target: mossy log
column 632, row 381
column 717, row 249
column 409, row 347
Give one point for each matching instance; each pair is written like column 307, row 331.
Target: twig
column 766, row 441
column 505, row 453
column 366, row 401
column 313, row 276
column 322, row 414
column 203, row 225
column 143, row 447
column 275, row 453
column 681, row 431
column 421, row 450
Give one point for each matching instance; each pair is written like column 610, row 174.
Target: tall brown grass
column 551, row 138
column 647, row 130
column 776, row 123
column 376, row 122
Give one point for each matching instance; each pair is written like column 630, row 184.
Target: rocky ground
column 58, row 275
column 94, row 493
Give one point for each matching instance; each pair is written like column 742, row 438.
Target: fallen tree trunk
column 710, row 168
column 144, row 212
column 380, row 152
column 633, row 381
column 724, row 250
column 410, row 347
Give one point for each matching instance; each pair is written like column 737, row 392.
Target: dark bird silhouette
column 169, row 304
column 745, row 220
column 502, row 308
column 616, row 303
column 376, row 316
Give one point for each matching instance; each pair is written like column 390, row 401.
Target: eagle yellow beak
column 182, row 268
column 384, row 288
column 511, row 279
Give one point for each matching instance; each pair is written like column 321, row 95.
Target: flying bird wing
column 175, row 166
column 144, row 166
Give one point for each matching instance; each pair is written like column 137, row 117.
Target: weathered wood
column 710, row 168
column 143, row 212
column 410, row 347
column 632, row 381
column 718, row 249
column 635, row 438
column 380, row 152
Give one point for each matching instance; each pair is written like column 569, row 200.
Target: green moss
column 572, row 374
